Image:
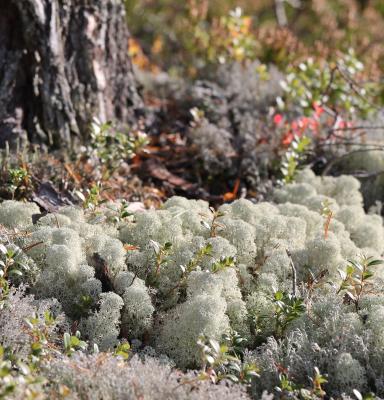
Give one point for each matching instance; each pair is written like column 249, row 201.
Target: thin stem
column 294, row 273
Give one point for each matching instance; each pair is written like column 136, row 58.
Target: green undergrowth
column 283, row 297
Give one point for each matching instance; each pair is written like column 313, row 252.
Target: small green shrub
column 334, row 85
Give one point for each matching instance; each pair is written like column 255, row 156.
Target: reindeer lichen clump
column 275, row 273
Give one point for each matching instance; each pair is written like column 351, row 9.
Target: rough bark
column 63, row 62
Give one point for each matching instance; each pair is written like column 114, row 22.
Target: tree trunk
column 63, row 62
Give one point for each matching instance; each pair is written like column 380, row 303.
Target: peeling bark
column 63, row 62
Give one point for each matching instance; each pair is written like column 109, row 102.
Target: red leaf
column 287, row 139
column 277, row 119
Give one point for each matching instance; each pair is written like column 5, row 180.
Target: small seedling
column 72, row 343
column 287, row 309
column 356, row 279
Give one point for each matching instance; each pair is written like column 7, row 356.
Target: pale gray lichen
column 14, row 214
column 103, row 326
column 168, row 295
